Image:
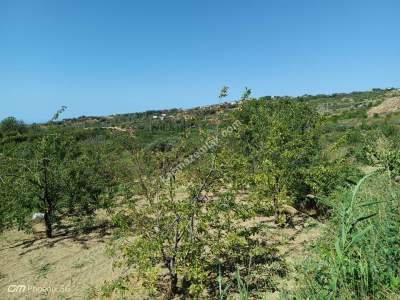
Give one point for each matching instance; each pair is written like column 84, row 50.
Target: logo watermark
column 25, row 288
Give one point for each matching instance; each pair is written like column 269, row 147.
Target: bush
column 280, row 141
column 384, row 153
column 11, row 126
column 327, row 176
column 359, row 257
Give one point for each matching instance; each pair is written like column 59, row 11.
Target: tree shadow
column 62, row 233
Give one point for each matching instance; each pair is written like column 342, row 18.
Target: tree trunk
column 49, row 227
column 47, row 201
column 174, row 285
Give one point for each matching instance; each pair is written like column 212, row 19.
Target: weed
column 360, row 256
column 43, row 270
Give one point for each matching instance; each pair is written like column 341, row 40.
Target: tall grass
column 359, row 255
column 239, row 290
column 241, row 287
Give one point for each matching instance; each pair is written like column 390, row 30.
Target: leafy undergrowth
column 288, row 246
column 270, row 273
column 359, row 254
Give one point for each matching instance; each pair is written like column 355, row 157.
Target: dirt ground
column 74, row 265
column 390, row 105
column 69, row 266
column 293, row 244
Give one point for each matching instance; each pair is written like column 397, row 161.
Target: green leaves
column 224, row 92
column 359, row 256
column 53, row 174
column 279, row 139
column 11, row 126
column 184, row 224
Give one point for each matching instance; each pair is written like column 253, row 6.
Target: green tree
column 186, row 224
column 11, row 126
column 38, row 172
column 224, row 92
column 280, row 140
column 53, row 174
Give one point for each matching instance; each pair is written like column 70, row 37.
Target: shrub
column 169, row 225
column 359, row 257
column 11, row 126
column 279, row 140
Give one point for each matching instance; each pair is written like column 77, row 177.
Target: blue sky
column 103, row 57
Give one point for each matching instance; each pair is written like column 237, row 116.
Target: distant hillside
column 326, row 104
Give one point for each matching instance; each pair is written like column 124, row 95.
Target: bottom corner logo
column 13, row 288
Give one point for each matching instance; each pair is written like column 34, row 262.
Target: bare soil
column 75, row 265
column 72, row 264
column 390, row 105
